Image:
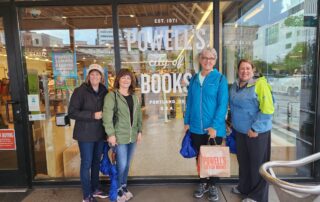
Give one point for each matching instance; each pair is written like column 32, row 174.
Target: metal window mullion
column 316, row 148
column 216, row 28
column 116, row 44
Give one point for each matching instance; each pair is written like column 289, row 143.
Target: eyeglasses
column 208, row 59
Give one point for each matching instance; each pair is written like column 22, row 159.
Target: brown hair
column 125, row 72
column 247, row 61
column 88, row 77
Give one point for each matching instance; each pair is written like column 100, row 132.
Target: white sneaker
column 121, row 197
column 127, row 193
column 248, row 200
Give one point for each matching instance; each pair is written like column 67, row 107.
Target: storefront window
column 280, row 38
column 59, row 43
column 8, row 153
column 160, row 43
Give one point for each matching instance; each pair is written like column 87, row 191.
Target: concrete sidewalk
column 142, row 193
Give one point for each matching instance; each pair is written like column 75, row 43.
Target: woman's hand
column 212, row 132
column 98, row 115
column 252, row 134
column 186, row 127
column 139, row 138
column 112, row 140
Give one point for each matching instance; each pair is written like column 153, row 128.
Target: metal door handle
column 12, row 102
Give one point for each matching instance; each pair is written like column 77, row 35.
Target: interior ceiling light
column 131, row 16
column 254, row 12
column 35, row 12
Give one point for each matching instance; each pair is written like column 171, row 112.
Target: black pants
column 251, row 154
column 197, row 141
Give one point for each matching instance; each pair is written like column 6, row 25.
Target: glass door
column 58, row 45
column 12, row 154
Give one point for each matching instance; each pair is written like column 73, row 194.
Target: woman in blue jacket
column 207, row 104
column 251, row 105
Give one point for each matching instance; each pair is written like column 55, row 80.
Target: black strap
column 115, row 109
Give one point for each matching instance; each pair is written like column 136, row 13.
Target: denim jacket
column 252, row 106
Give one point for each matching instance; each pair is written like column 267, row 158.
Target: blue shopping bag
column 231, row 142
column 187, row 150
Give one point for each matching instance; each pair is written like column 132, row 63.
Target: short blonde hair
column 211, row 50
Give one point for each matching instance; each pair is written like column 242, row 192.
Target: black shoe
column 201, row 190
column 213, row 193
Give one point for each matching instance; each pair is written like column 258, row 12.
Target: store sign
column 64, row 70
column 33, row 102
column 166, row 83
column 7, row 139
column 37, row 117
column 36, row 52
column 165, row 20
column 160, row 60
column 166, row 39
column 169, row 40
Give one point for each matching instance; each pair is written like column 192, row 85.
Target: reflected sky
column 88, row 35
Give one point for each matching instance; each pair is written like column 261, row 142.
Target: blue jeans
column 90, row 153
column 124, row 153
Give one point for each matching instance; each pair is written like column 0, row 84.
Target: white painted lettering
column 145, row 83
column 155, row 83
column 166, row 89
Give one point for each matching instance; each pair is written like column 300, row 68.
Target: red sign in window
column 7, row 139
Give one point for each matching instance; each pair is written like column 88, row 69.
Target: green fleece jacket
column 123, row 130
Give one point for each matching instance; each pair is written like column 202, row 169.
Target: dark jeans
column 90, row 153
column 251, row 154
column 197, row 141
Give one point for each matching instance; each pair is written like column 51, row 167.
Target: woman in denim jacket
column 251, row 105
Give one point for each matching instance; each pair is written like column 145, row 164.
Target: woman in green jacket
column 122, row 119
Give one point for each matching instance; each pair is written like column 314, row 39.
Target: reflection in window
column 59, row 43
column 272, row 35
column 288, row 45
column 288, row 35
column 160, row 43
column 8, row 153
column 287, row 60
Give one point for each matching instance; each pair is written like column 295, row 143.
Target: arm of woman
column 108, row 113
column 222, row 104
column 266, row 106
column 188, row 104
column 75, row 110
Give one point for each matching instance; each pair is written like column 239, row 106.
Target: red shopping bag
column 214, row 161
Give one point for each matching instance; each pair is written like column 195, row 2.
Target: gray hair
column 211, row 50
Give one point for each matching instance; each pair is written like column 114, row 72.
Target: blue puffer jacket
column 207, row 104
column 252, row 106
